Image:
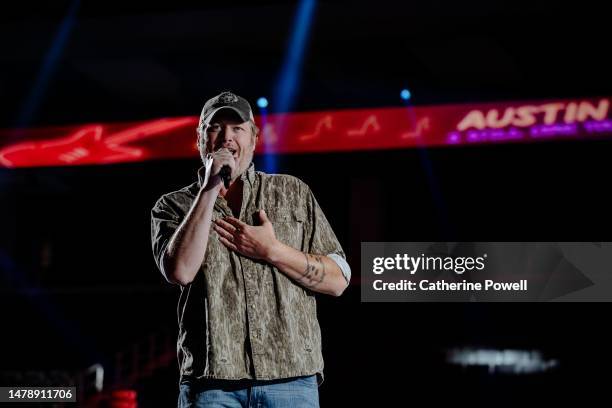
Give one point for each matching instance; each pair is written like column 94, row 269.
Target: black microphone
column 226, row 175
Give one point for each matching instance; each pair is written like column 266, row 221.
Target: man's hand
column 251, row 241
column 315, row 272
column 221, row 158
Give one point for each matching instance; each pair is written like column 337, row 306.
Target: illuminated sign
column 310, row 132
column 554, row 119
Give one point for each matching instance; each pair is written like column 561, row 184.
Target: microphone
column 226, row 175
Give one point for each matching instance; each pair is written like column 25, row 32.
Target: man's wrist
column 214, row 183
column 274, row 251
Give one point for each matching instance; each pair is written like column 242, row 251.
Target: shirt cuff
column 343, row 265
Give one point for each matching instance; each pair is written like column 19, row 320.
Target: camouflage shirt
column 243, row 318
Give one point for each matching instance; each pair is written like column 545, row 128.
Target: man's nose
column 226, row 135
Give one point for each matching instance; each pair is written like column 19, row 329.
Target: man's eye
column 213, row 128
column 238, row 128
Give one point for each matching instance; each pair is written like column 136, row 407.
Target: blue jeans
column 297, row 392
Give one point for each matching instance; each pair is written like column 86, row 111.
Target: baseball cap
column 225, row 100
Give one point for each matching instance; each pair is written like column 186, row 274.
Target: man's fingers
column 236, row 223
column 225, row 225
column 223, row 157
column 224, row 233
column 224, row 151
column 263, row 216
column 225, row 161
column 228, row 244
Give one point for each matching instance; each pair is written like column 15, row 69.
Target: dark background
column 78, row 281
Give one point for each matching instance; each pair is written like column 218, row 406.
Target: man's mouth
column 234, row 152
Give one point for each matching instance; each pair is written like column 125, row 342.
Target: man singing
column 249, row 251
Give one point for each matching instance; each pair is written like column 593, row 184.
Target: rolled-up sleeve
column 321, row 236
column 343, row 265
column 164, row 222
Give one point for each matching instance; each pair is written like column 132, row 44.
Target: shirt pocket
column 289, row 227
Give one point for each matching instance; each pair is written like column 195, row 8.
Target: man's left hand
column 249, row 240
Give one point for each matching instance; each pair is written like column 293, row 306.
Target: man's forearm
column 185, row 251
column 315, row 272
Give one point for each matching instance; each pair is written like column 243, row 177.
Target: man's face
column 226, row 130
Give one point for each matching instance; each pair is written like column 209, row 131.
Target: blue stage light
column 405, row 94
column 262, row 102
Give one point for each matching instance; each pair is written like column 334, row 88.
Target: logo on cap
column 228, row 97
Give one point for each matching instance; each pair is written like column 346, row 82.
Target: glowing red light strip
column 348, row 130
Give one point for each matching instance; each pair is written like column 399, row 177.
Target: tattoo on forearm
column 308, row 272
column 320, row 260
column 315, row 272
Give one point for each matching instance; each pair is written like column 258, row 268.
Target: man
column 249, row 259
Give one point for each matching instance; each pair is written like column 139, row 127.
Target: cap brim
column 211, row 114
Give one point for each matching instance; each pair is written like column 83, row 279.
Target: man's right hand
column 220, row 158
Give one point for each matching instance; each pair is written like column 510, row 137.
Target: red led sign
column 328, row 131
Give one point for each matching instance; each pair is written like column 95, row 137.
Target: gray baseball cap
column 225, row 100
